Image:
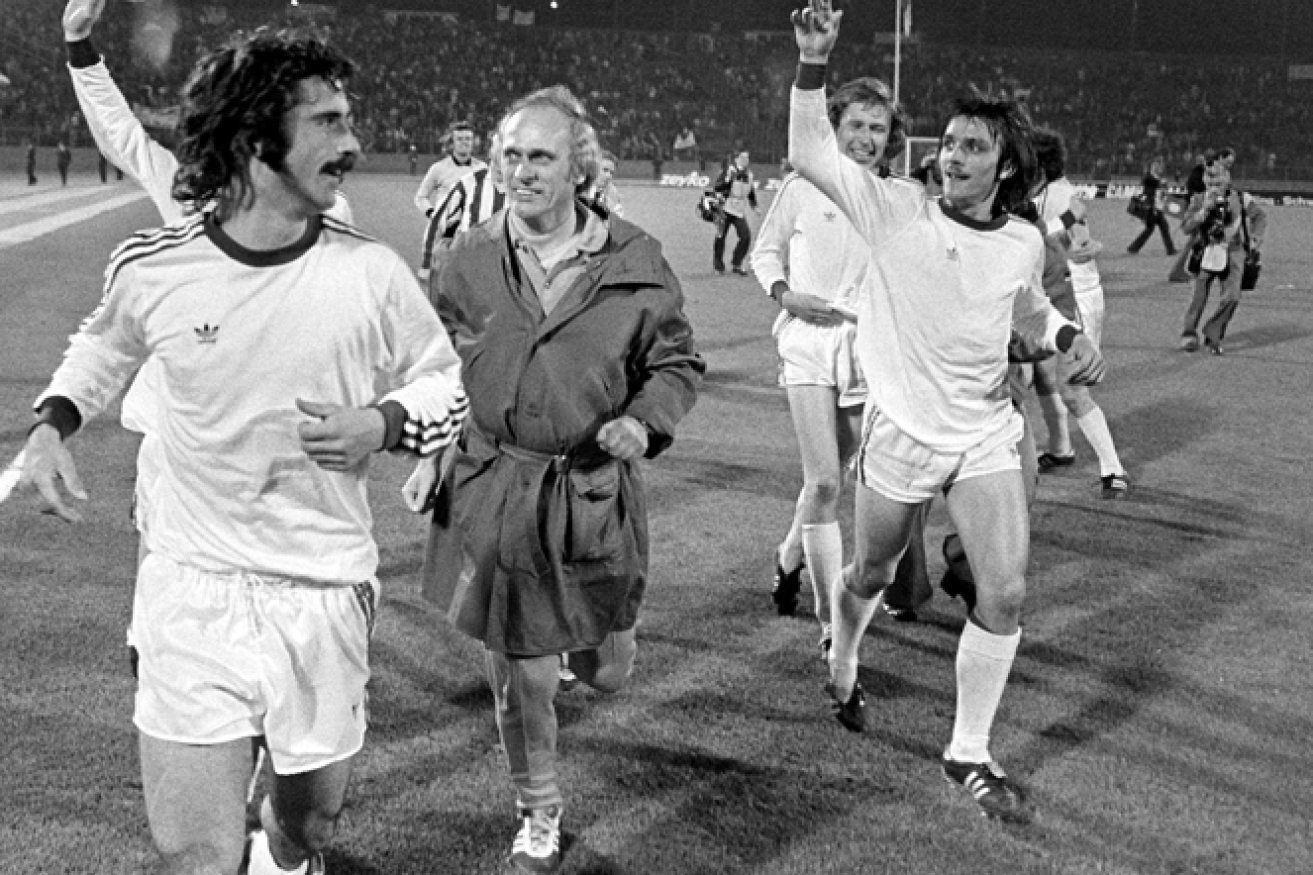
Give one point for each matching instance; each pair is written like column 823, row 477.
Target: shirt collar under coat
column 629, row 255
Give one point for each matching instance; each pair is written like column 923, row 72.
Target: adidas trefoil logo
column 207, row 333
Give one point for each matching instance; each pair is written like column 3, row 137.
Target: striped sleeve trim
column 341, row 227
column 143, row 245
column 365, row 598
column 424, row 437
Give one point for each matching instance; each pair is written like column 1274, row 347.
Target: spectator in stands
column 686, row 145
column 1151, row 192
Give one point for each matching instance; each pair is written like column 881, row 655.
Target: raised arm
column 118, row 133
column 875, row 207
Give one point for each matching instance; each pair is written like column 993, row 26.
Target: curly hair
column 235, row 106
column 1011, row 128
column 585, row 151
column 869, row 91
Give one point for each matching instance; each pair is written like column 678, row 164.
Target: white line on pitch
column 32, row 230
column 33, row 201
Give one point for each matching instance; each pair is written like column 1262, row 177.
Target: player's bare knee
column 201, row 856
column 1078, row 401
column 1002, row 598
column 865, row 580
column 822, row 491
column 311, row 831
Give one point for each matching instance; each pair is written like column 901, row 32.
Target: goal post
column 914, row 150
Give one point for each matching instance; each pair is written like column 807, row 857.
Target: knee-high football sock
column 983, row 663
column 1094, row 425
column 1055, row 420
column 822, row 544
column 850, row 614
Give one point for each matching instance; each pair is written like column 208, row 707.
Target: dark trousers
column 740, row 226
column 1154, row 221
column 1228, row 300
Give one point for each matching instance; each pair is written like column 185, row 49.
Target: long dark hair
column 235, row 106
column 1050, row 153
column 1011, row 128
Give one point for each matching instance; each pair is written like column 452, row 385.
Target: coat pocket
column 596, row 516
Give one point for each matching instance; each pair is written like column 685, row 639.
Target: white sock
column 984, row 661
column 822, row 544
column 850, row 615
column 1094, row 425
column 1055, row 420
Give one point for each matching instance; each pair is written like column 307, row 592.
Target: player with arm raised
column 950, row 279
column 812, row 262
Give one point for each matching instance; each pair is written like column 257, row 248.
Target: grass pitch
column 1159, row 709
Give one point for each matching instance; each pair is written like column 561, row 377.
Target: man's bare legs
column 991, row 516
column 196, row 803
column 882, row 529
column 196, row 806
column 828, row 435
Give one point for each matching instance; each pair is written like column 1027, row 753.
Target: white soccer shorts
column 238, row 655
column 905, row 470
column 820, row 355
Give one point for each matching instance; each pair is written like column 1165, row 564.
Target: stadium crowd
column 1117, row 111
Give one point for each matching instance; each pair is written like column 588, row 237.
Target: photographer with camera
column 1150, row 210
column 1228, row 226
column 737, row 189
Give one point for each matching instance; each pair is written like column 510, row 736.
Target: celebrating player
column 950, row 279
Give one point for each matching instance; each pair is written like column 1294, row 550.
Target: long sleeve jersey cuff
column 811, row 77
column 394, row 419
column 431, row 420
column 1058, row 224
column 82, row 54
column 1065, row 337
column 60, row 412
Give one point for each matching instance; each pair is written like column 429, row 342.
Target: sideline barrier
column 1113, row 191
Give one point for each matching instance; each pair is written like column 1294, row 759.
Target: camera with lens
column 1213, row 228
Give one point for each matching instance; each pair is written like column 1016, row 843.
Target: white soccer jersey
column 807, row 242
column 1055, row 201
column 123, row 140
column 240, row 337
column 943, row 294
column 442, row 176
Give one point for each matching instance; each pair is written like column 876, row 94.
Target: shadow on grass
column 721, row 804
column 1165, row 428
column 1250, row 340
